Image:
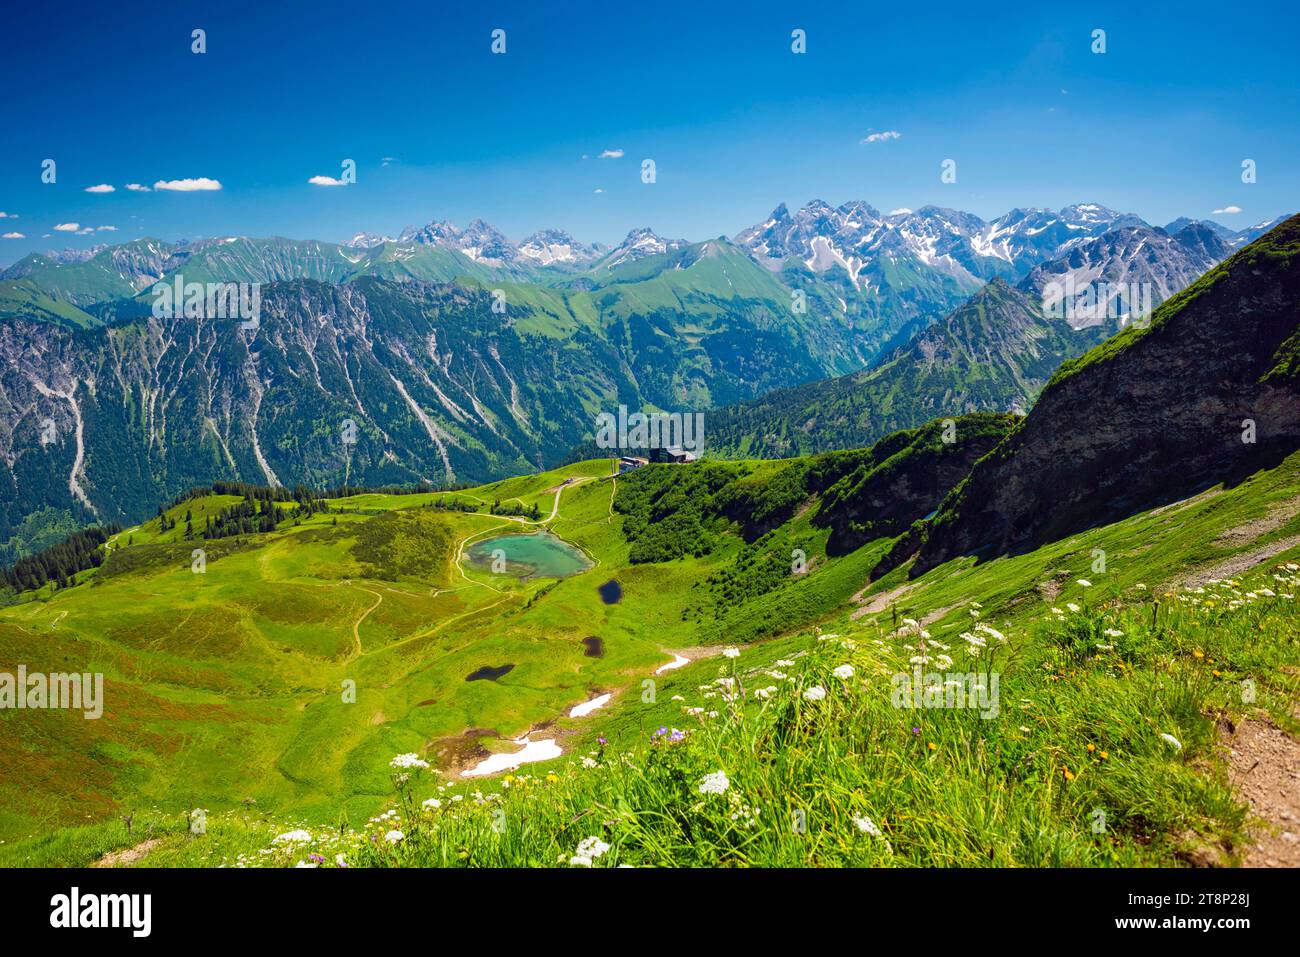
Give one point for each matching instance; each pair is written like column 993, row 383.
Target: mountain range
column 457, row 355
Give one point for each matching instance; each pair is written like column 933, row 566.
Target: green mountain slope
column 992, row 354
column 1207, row 392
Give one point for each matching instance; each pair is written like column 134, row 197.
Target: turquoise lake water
column 537, row 555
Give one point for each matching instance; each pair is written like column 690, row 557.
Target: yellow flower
column 1068, row 775
column 552, row 777
column 1216, row 673
column 932, row 746
column 1198, row 653
column 1092, row 747
column 1104, row 755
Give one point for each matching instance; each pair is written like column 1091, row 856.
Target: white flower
column 991, row 631
column 715, row 783
column 765, row 692
column 1084, row 582
column 911, row 623
column 589, row 762
column 1178, row 745
column 1114, row 633
column 843, row 672
column 393, row 836
column 867, row 826
column 1072, row 606
column 731, row 652
column 433, row 803
column 304, row 864
column 293, row 837
column 589, row 848
column 408, row 761
column 784, row 663
column 815, row 693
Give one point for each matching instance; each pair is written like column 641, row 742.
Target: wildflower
column 601, row 741
column 588, row 850
column 765, row 692
column 1103, row 755
column 784, row 663
column 867, row 826
column 1113, row 633
column 1069, row 775
column 394, row 836
column 731, row 653
column 843, row 672
column 408, row 761
column 1092, row 747
column 1084, row 582
column 815, row 693
column 293, row 837
column 932, row 746
column 1072, row 606
column 1198, row 653
column 677, row 735
column 588, row 762
column 715, row 783
column 1178, row 745
column 341, row 860
column 433, row 804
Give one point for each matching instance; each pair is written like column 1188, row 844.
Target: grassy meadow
column 783, row 743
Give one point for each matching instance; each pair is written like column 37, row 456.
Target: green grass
column 224, row 693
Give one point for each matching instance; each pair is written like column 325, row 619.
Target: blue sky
column 735, row 122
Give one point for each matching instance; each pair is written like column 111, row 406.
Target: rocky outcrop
column 1209, row 392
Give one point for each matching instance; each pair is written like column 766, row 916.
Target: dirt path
column 1233, row 566
column 1264, row 766
column 128, row 855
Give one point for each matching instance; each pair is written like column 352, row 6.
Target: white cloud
column 1228, row 210
column 14, row 236
column 882, row 136
column 327, row 181
column 67, row 227
column 901, row 211
column 611, row 154
column 598, row 190
column 105, row 229
column 137, row 188
column 4, row 215
column 101, row 188
column 188, row 185
column 388, row 161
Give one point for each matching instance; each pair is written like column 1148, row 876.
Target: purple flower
column 677, row 735
column 916, row 730
column 602, row 740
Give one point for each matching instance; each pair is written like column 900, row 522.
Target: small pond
column 535, row 555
